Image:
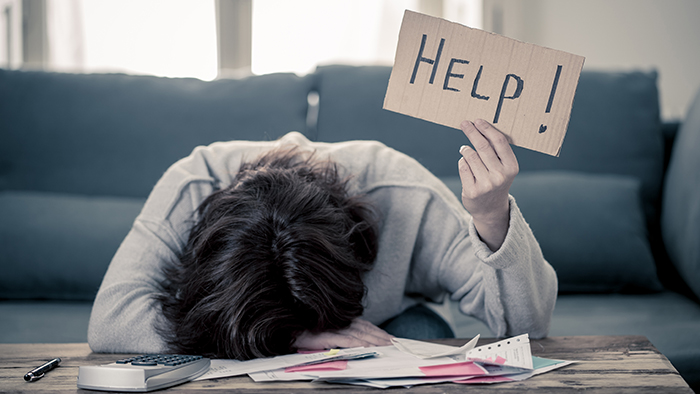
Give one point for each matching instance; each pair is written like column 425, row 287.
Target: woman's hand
column 359, row 333
column 486, row 174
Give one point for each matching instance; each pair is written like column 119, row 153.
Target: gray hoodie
column 428, row 246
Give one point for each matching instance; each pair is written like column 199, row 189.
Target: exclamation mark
column 543, row 128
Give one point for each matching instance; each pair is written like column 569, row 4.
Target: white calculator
column 143, row 373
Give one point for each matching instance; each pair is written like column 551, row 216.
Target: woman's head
column 281, row 251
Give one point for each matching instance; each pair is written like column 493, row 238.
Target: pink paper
column 338, row 365
column 499, row 360
column 467, row 368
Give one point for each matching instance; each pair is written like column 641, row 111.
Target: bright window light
column 169, row 38
column 177, row 38
column 295, row 36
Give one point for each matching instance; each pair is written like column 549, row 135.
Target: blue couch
column 617, row 214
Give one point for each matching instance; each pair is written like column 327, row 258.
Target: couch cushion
column 58, row 246
column 110, row 134
column 44, row 321
column 681, row 205
column 591, row 228
column 670, row 321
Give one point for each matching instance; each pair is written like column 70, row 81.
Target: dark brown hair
column 281, row 251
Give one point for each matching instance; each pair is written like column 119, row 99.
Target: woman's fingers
column 369, row 332
column 474, row 165
column 492, row 146
column 327, row 340
column 482, row 144
column 360, row 333
column 501, row 145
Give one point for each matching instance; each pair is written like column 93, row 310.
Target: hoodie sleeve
column 125, row 316
column 512, row 290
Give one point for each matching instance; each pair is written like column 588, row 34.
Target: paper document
column 431, row 350
column 515, row 351
column 406, row 363
column 391, row 362
column 226, row 368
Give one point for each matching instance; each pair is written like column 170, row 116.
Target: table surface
column 606, row 364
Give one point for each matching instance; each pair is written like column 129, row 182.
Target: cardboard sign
column 445, row 73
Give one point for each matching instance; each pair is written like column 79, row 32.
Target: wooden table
column 608, row 364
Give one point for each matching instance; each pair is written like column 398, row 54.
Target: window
column 170, row 38
column 295, row 36
column 178, row 38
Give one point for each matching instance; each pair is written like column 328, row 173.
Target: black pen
column 38, row 372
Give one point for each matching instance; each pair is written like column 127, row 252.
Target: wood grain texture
column 607, row 364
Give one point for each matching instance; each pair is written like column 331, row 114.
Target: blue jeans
column 418, row 322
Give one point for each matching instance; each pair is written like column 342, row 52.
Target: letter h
column 420, row 58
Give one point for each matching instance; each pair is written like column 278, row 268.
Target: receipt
column 513, row 351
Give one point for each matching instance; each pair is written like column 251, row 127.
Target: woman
column 250, row 249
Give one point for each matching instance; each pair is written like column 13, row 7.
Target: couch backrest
column 614, row 128
column 116, row 134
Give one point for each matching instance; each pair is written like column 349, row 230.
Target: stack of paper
column 406, row 363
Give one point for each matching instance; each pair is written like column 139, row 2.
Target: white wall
column 614, row 35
